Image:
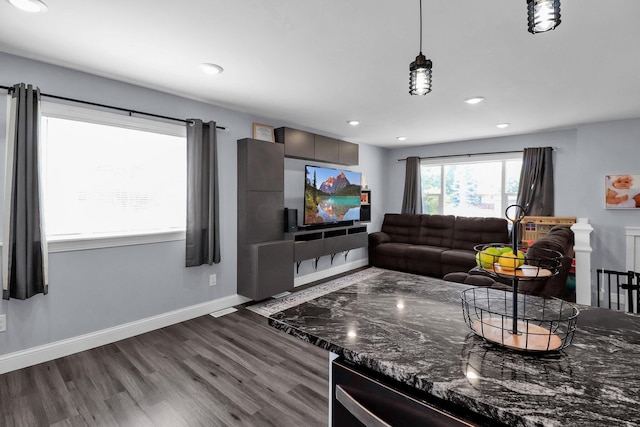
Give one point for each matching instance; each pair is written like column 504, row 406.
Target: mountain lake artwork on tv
column 331, row 195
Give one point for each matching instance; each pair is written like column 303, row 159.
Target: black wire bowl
column 542, row 324
column 538, row 263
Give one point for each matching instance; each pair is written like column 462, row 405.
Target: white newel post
column 633, row 252
column 582, row 248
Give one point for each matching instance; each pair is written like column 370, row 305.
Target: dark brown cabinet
column 308, row 146
column 264, row 257
column 348, row 153
column 269, row 270
column 326, row 149
column 317, row 243
column 299, row 144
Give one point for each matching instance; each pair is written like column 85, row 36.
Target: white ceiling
column 317, row 64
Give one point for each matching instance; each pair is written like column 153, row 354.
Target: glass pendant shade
column 420, row 76
column 543, row 15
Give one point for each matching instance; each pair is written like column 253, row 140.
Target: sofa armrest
column 375, row 239
column 378, row 238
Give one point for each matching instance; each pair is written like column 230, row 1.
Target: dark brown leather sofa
column 432, row 245
column 560, row 239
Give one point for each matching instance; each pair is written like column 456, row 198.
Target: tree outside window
column 482, row 189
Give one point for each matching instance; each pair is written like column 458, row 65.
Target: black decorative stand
column 520, row 321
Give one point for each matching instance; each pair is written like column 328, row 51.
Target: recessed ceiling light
column 211, row 69
column 502, row 125
column 401, row 138
column 33, row 6
column 353, row 122
column 474, row 100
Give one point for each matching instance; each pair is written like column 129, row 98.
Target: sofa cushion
column 422, row 259
column 471, row 231
column 479, row 271
column 457, row 277
column 467, row 279
column 436, row 230
column 402, row 228
column 392, row 256
column 457, row 260
column 479, row 281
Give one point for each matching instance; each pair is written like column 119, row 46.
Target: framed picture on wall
column 622, row 191
column 263, row 132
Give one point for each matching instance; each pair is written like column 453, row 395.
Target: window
column 108, row 175
column 481, row 188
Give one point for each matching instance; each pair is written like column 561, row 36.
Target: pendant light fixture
column 420, row 70
column 544, row 15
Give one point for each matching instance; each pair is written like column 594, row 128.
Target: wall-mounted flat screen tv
column 331, row 195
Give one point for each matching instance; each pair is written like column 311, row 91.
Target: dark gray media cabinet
column 315, row 244
column 265, row 254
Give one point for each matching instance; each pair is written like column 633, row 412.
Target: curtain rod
column 469, row 155
column 95, row 104
column 466, row 155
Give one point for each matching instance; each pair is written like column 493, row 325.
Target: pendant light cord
column 421, row 27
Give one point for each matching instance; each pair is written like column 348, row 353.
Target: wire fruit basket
column 512, row 320
column 541, row 324
column 499, row 260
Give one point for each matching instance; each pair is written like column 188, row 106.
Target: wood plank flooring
column 229, row 371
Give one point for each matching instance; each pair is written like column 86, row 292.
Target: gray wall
column 603, row 149
column 95, row 289
column 582, row 157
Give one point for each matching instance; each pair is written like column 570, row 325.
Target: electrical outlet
column 212, row 280
column 3, row 322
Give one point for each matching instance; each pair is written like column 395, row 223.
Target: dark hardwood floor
column 229, row 371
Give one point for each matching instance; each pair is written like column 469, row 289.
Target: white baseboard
column 319, row 275
column 44, row 353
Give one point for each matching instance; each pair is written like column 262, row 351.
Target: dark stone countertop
column 427, row 345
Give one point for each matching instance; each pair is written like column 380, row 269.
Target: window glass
column 482, row 189
column 103, row 179
column 431, row 180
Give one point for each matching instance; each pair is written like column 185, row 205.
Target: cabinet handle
column 364, row 415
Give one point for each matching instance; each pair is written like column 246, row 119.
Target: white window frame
column 479, row 158
column 90, row 115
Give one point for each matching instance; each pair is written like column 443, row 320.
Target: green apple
column 483, row 260
column 505, row 250
column 487, row 257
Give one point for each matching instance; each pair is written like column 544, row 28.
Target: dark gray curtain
column 535, row 192
column 412, row 200
column 203, row 226
column 24, row 252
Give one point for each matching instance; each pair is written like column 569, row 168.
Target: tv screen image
column 331, row 195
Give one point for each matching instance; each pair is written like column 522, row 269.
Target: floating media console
column 313, row 244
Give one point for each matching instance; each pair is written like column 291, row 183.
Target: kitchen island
column 410, row 329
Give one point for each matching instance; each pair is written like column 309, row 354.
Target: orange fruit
column 511, row 261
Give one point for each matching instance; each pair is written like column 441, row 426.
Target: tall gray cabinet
column 264, row 256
